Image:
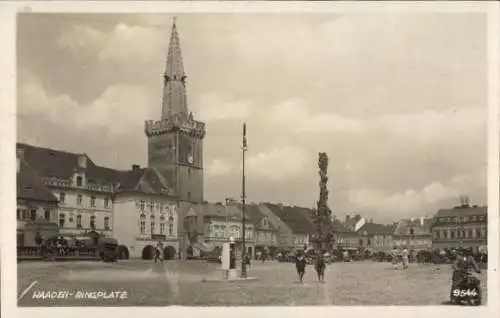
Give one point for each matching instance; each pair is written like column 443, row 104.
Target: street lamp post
column 243, row 201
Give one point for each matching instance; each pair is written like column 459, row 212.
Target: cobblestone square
column 357, row 283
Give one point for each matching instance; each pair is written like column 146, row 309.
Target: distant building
column 297, row 222
column 463, row 226
column 354, row 222
column 378, row 237
column 36, row 205
column 414, row 233
column 343, row 236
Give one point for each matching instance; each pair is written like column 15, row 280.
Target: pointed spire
column 174, row 90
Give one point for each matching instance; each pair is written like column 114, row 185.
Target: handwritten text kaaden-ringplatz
column 69, row 294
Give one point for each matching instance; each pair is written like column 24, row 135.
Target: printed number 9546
column 464, row 292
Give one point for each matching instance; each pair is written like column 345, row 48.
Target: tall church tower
column 175, row 143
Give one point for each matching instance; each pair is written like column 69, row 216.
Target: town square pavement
column 139, row 283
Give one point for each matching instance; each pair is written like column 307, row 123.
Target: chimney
column 82, row 161
column 135, row 167
column 19, row 157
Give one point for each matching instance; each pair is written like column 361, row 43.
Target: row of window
column 152, row 206
column 460, row 233
column 471, row 218
column 153, row 227
column 79, row 225
column 79, row 200
column 31, row 215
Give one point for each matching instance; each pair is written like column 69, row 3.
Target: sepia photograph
column 252, row 159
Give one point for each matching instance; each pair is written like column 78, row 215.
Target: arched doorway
column 169, row 252
column 123, row 252
column 148, row 252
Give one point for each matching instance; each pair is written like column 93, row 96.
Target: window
column 92, row 202
column 19, row 214
column 79, row 181
column 79, row 221
column 152, row 227
column 478, row 232
column 62, row 197
column 474, row 218
column 106, row 203
column 445, row 233
column 160, row 207
column 151, row 206
column 162, row 228
column 452, row 234
column 46, row 214
column 481, row 218
column 79, row 199
column 189, row 172
column 360, row 242
column 412, row 232
column 106, row 223
column 62, row 220
column 170, row 225
column 92, row 222
column 33, row 215
column 369, row 242
column 143, row 224
column 469, row 233
column 465, row 218
column 436, row 234
column 142, row 205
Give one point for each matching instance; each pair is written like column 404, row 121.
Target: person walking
column 405, row 257
column 320, row 266
column 300, row 265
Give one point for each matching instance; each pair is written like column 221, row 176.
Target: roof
column 351, row 223
column 62, row 165
column 376, row 228
column 462, row 211
column 404, row 226
column 296, row 218
column 31, row 187
column 220, row 210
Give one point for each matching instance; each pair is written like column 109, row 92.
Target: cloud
column 214, row 107
column 418, row 202
column 116, row 109
column 279, row 164
column 218, row 168
column 293, row 115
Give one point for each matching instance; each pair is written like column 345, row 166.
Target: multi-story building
column 284, row 234
column 84, row 190
column 265, row 234
column 298, row 225
column 414, row 233
column 354, row 222
column 376, row 236
column 36, row 205
column 463, row 226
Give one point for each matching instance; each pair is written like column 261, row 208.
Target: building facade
column 463, row 226
column 378, row 237
column 414, row 233
column 36, row 205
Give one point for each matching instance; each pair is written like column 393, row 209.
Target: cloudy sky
column 398, row 101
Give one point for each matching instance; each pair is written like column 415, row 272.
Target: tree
column 323, row 213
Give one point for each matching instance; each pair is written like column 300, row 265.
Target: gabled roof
column 294, row 217
column 462, row 211
column 339, row 227
column 62, row 165
column 31, row 187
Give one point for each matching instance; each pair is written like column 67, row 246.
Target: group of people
column 319, row 265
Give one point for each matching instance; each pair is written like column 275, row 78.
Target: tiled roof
column 375, row 228
column 252, row 212
column 220, row 210
column 462, row 211
column 62, row 165
column 294, row 217
column 30, row 187
column 339, row 227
